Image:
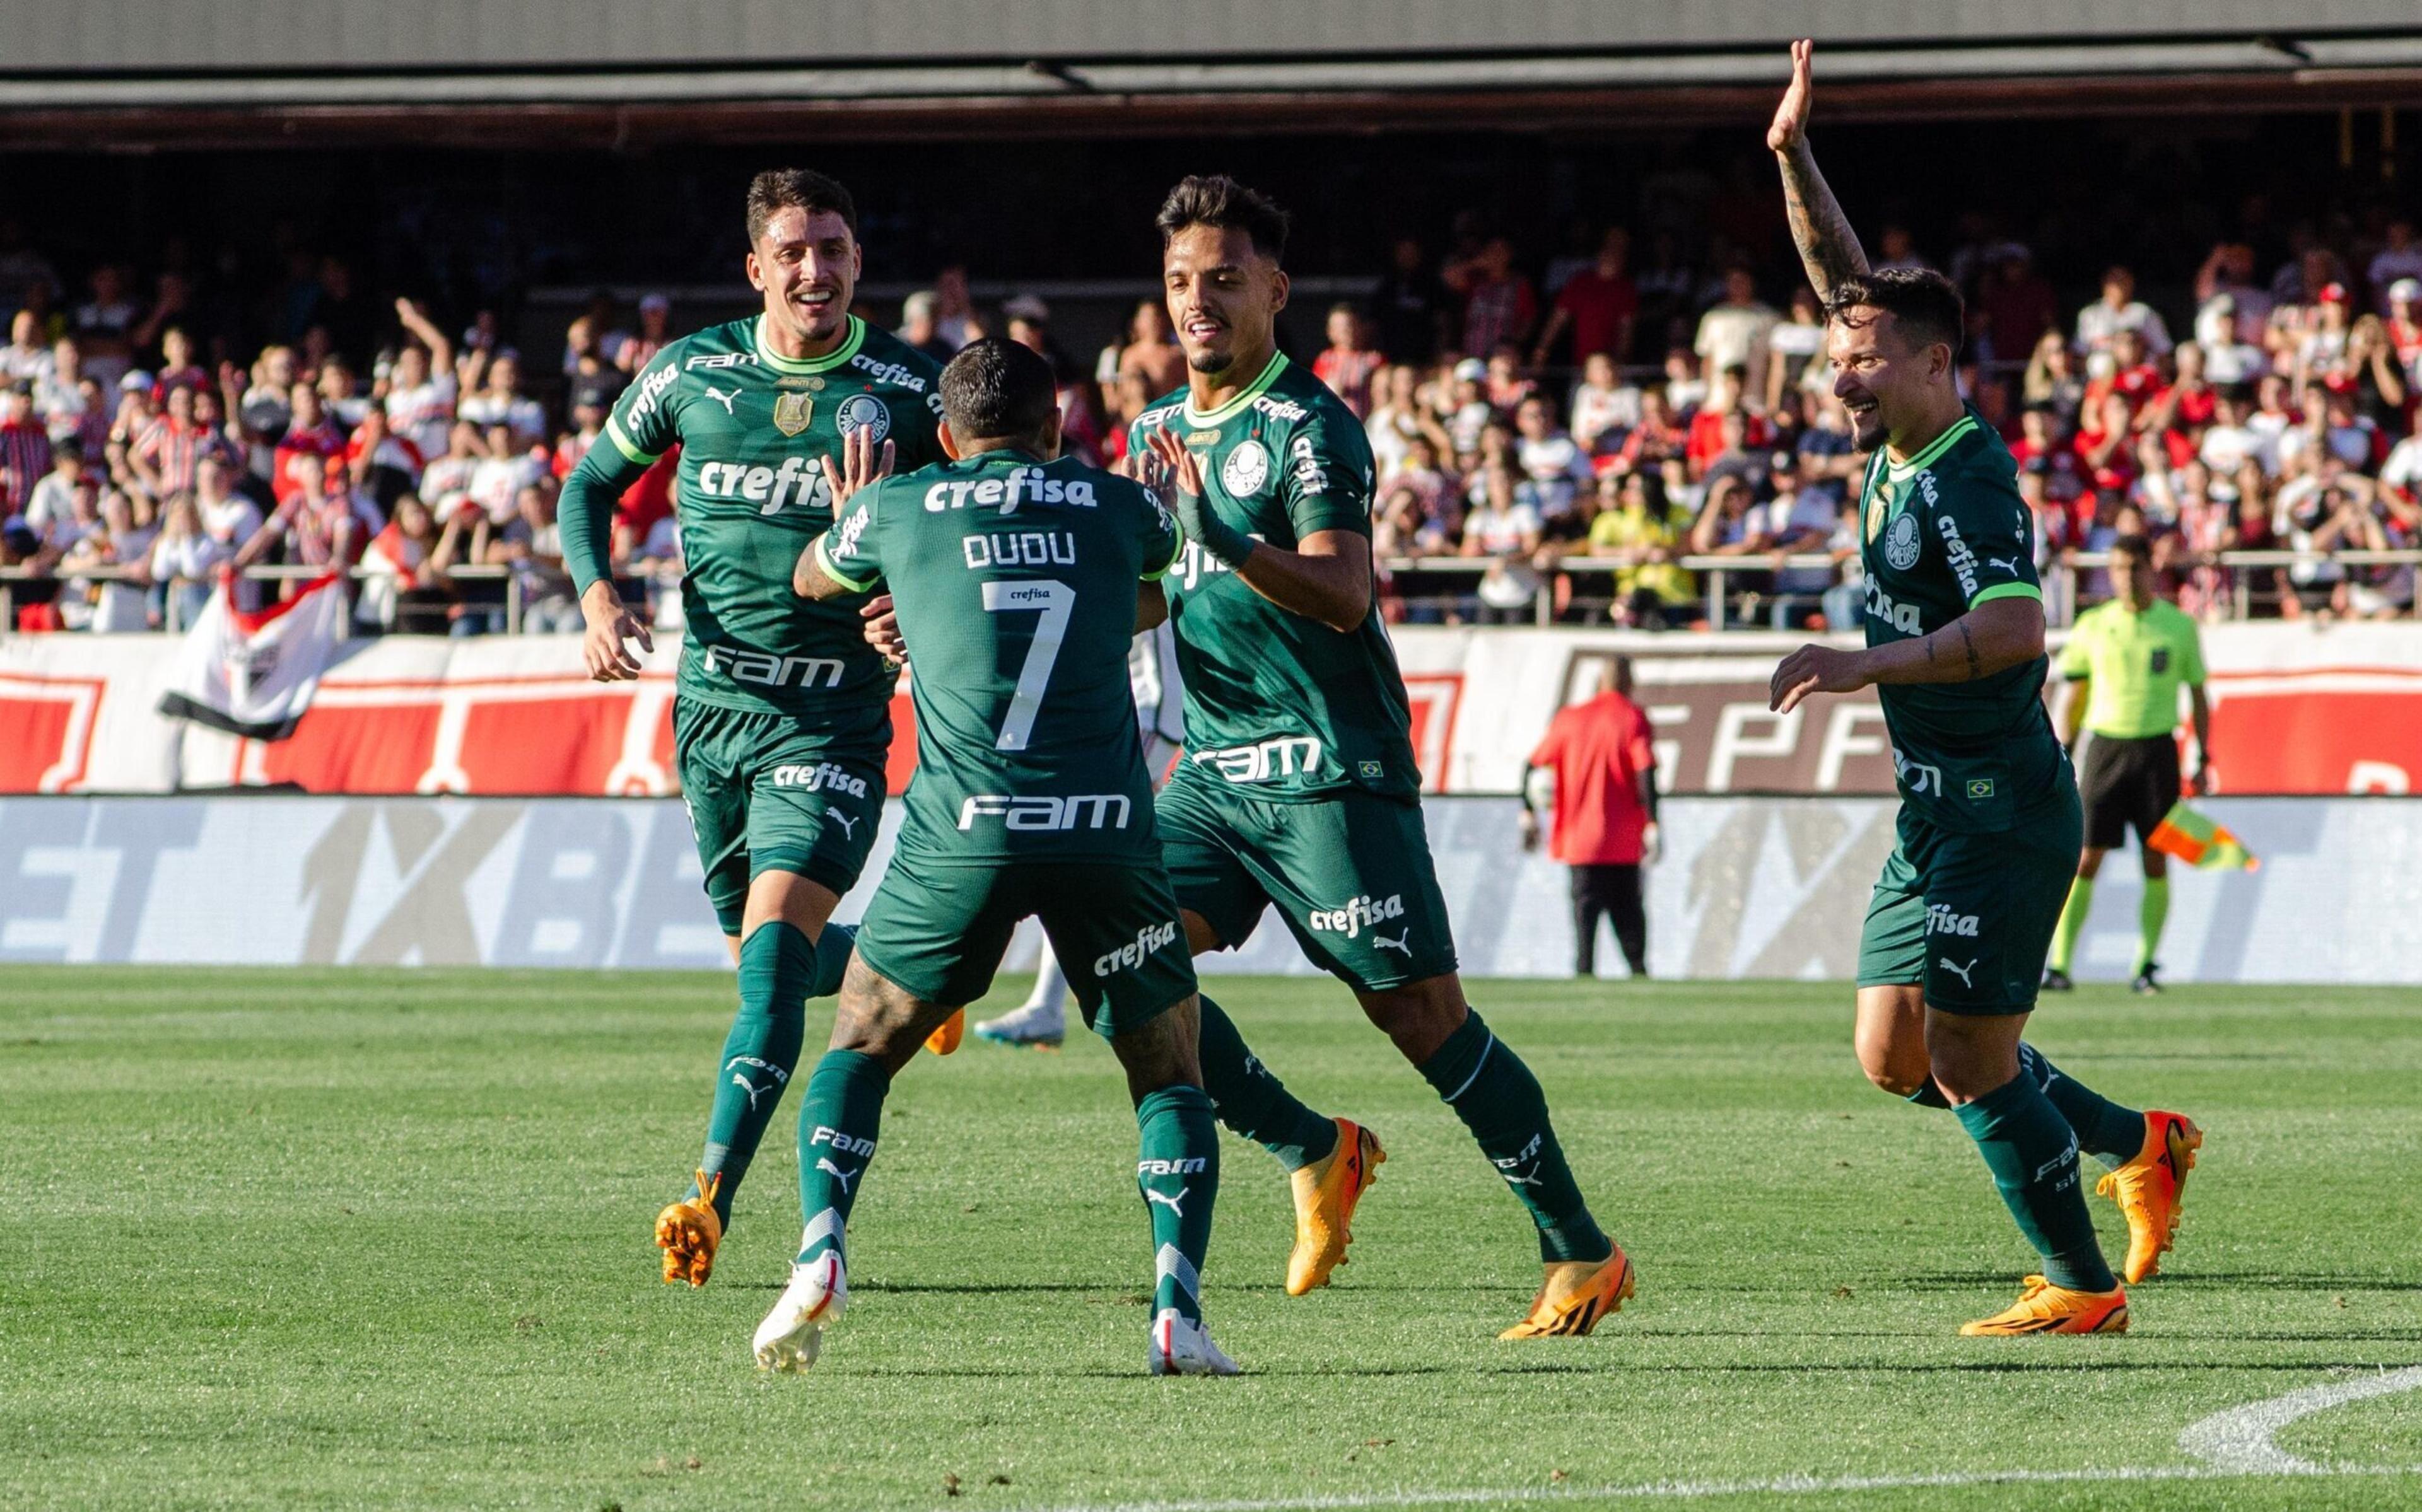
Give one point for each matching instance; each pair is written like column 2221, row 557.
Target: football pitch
column 358, row 1239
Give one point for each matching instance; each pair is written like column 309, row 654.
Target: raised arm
column 1828, row 249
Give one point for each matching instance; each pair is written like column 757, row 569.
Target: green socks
column 1499, row 1100
column 1178, row 1170
column 778, row 971
column 2072, row 923
column 2153, row 913
column 2033, row 1155
column 1253, row 1103
column 839, row 1119
column 2104, row 1129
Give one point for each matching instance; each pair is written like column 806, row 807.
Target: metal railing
column 1715, row 572
column 11, row 576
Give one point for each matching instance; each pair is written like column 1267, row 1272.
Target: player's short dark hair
column 997, row 388
column 1922, row 303
column 2139, row 547
column 1220, row 202
column 779, row 189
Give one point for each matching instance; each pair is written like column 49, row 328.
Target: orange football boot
column 1575, row 1295
column 1326, row 1193
column 688, row 1231
column 2148, row 1188
column 946, row 1040
column 2044, row 1308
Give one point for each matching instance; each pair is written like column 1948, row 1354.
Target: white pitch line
column 2232, row 1443
column 2239, row 1440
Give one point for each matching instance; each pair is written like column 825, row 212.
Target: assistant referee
column 2124, row 664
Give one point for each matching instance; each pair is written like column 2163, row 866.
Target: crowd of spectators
column 1522, row 418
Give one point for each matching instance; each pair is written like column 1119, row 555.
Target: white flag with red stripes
column 252, row 672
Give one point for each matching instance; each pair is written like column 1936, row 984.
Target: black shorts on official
column 2128, row 785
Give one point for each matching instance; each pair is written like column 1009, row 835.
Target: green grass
column 379, row 1239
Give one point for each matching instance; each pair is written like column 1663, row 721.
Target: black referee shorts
column 2128, row 784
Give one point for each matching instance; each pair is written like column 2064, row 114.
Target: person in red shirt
column 1346, row 364
column 1603, row 768
column 1598, row 305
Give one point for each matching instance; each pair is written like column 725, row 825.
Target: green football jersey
column 1015, row 583
column 1277, row 703
column 754, row 429
column 1944, row 532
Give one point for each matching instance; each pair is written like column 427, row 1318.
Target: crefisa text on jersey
column 1023, row 485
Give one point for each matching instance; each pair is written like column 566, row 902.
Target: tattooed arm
column 1828, row 249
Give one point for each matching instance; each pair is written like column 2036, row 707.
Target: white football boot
column 1043, row 1025
column 1183, row 1348
column 793, row 1331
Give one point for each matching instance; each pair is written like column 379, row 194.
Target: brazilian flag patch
column 1980, row 789
column 1372, row 770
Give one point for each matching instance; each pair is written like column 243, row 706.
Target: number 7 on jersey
column 1056, row 601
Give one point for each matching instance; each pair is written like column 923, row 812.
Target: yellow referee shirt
column 2133, row 664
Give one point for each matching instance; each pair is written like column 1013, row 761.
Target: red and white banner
column 251, row 674
column 2296, row 709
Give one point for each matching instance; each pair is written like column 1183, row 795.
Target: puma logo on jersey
column 1961, row 972
column 721, row 397
column 1167, row 1201
column 848, row 825
column 750, row 1087
column 844, row 1177
column 2011, row 567
column 1402, row 942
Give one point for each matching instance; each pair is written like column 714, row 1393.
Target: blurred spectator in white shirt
column 1602, row 402
column 503, row 403
column 2118, row 310
column 421, row 388
column 1733, row 332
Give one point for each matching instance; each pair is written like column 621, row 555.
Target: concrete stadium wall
column 1749, row 887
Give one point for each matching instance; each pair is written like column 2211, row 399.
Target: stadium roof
column 171, row 72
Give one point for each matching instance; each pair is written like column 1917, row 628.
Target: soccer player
column 2125, row 663
column 1300, row 788
column 1014, row 575
column 1153, row 679
column 781, row 712
column 1953, row 949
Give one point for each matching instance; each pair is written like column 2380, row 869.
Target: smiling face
column 806, row 263
column 1223, row 293
column 1881, row 376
